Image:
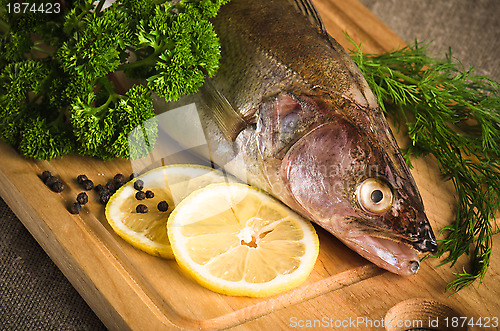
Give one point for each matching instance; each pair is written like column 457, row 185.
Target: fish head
column 351, row 179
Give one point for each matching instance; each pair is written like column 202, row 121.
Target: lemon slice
column 237, row 240
column 148, row 231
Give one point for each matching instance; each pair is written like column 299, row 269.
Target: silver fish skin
column 311, row 132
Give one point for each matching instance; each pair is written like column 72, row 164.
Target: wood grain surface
column 129, row 289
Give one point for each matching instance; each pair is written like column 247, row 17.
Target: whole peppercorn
column 45, row 175
column 81, row 178
column 138, row 185
column 162, row 206
column 140, row 195
column 119, row 179
column 98, row 188
column 51, row 180
column 88, row 185
column 150, row 194
column 75, row 208
column 57, row 187
column 104, row 191
column 104, row 198
column 141, row 208
column 110, row 186
column 82, row 198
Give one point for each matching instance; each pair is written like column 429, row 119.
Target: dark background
column 35, row 295
column 470, row 27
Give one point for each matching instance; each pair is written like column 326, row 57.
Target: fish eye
column 374, row 195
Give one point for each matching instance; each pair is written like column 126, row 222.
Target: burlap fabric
column 34, row 294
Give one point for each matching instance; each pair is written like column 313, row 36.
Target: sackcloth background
column 35, row 295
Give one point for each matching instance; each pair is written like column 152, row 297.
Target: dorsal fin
column 306, row 7
column 228, row 119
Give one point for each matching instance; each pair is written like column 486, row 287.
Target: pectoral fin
column 228, row 119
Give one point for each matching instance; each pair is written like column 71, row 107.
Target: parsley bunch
column 57, row 94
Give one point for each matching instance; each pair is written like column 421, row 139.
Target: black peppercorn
column 150, row 194
column 88, row 185
column 140, row 195
column 51, row 180
column 138, row 185
column 75, row 208
column 119, row 179
column 110, row 186
column 98, row 188
column 104, row 198
column 141, row 209
column 57, row 187
column 81, row 178
column 162, row 206
column 82, row 198
column 45, row 175
column 104, row 191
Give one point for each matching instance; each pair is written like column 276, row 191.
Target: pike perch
column 290, row 113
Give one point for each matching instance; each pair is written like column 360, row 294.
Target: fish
column 290, row 113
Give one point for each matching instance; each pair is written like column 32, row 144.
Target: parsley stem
column 38, row 49
column 100, row 5
column 4, row 27
column 147, row 61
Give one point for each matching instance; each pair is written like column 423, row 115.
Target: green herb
column 57, row 94
column 454, row 115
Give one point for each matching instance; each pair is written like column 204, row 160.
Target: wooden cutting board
column 129, row 289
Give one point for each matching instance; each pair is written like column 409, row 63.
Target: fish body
column 309, row 131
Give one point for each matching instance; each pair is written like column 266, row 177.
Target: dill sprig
column 453, row 114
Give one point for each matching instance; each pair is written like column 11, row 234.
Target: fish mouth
column 398, row 253
column 394, row 256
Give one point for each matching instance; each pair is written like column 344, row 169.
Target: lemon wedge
column 172, row 183
column 237, row 240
